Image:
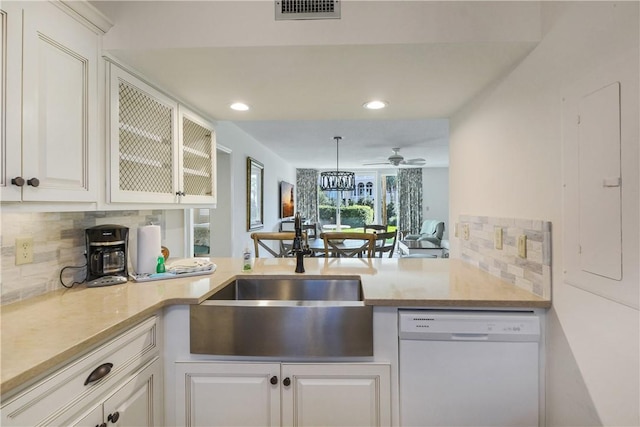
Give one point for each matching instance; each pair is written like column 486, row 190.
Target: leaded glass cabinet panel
column 144, row 142
column 198, row 152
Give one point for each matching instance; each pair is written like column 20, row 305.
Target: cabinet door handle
column 34, row 182
column 274, row 380
column 18, row 180
column 180, row 193
column 286, row 382
column 114, row 417
column 98, row 373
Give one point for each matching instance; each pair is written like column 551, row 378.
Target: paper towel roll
column 148, row 248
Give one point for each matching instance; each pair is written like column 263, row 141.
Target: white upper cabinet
column 159, row 152
column 50, row 104
column 144, row 141
column 198, row 150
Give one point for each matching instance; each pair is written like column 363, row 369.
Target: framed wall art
column 287, row 200
column 255, row 191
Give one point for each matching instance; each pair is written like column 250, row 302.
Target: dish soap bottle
column 247, row 262
column 160, row 268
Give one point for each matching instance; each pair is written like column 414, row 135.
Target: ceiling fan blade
column 417, row 161
column 375, row 163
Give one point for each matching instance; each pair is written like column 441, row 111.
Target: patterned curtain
column 307, row 194
column 410, row 199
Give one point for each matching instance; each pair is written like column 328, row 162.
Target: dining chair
column 385, row 243
column 376, row 228
column 311, row 229
column 284, row 240
column 348, row 244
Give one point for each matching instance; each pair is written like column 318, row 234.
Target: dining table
column 317, row 245
column 335, row 227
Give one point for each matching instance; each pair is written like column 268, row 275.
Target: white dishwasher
column 468, row 368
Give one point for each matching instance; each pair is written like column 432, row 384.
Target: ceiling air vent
column 307, row 9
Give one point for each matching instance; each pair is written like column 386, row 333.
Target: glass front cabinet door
column 160, row 151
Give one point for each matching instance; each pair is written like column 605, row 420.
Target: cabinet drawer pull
column 286, row 382
column 98, row 373
column 114, row 417
column 18, row 180
column 274, row 380
column 34, row 182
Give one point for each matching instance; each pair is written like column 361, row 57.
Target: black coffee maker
column 107, row 247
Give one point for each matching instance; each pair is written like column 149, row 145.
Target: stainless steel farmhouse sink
column 286, row 317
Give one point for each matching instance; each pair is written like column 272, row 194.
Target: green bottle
column 160, row 268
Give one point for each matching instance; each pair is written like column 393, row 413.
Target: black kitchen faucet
column 299, row 249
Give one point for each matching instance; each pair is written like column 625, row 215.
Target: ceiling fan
column 396, row 159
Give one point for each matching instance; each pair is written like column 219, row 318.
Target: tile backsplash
column 58, row 241
column 532, row 273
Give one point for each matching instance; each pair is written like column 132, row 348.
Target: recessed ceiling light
column 239, row 106
column 374, row 105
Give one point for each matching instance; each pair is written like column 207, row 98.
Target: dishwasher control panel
column 469, row 325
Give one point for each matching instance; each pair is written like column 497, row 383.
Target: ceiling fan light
column 239, row 106
column 375, row 105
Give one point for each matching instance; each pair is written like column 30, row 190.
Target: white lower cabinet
column 136, row 403
column 287, row 394
column 336, row 395
column 228, row 394
column 119, row 383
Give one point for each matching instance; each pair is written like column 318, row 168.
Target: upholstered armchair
column 431, row 230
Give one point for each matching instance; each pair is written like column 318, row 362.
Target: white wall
column 276, row 169
column 506, row 160
column 221, row 218
column 435, row 196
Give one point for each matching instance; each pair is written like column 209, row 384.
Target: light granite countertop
column 41, row 333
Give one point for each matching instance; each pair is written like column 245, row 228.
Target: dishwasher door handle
column 469, row 337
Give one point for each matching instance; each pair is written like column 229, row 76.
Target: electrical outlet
column 522, row 246
column 24, row 250
column 497, row 238
column 465, row 231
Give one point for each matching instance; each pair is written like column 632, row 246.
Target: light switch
column 455, row 229
column 522, row 246
column 465, row 231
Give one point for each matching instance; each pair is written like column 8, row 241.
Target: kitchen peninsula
column 43, row 333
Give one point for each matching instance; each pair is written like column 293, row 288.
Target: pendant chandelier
column 337, row 180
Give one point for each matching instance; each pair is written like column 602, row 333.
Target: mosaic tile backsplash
column 532, row 273
column 58, row 241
